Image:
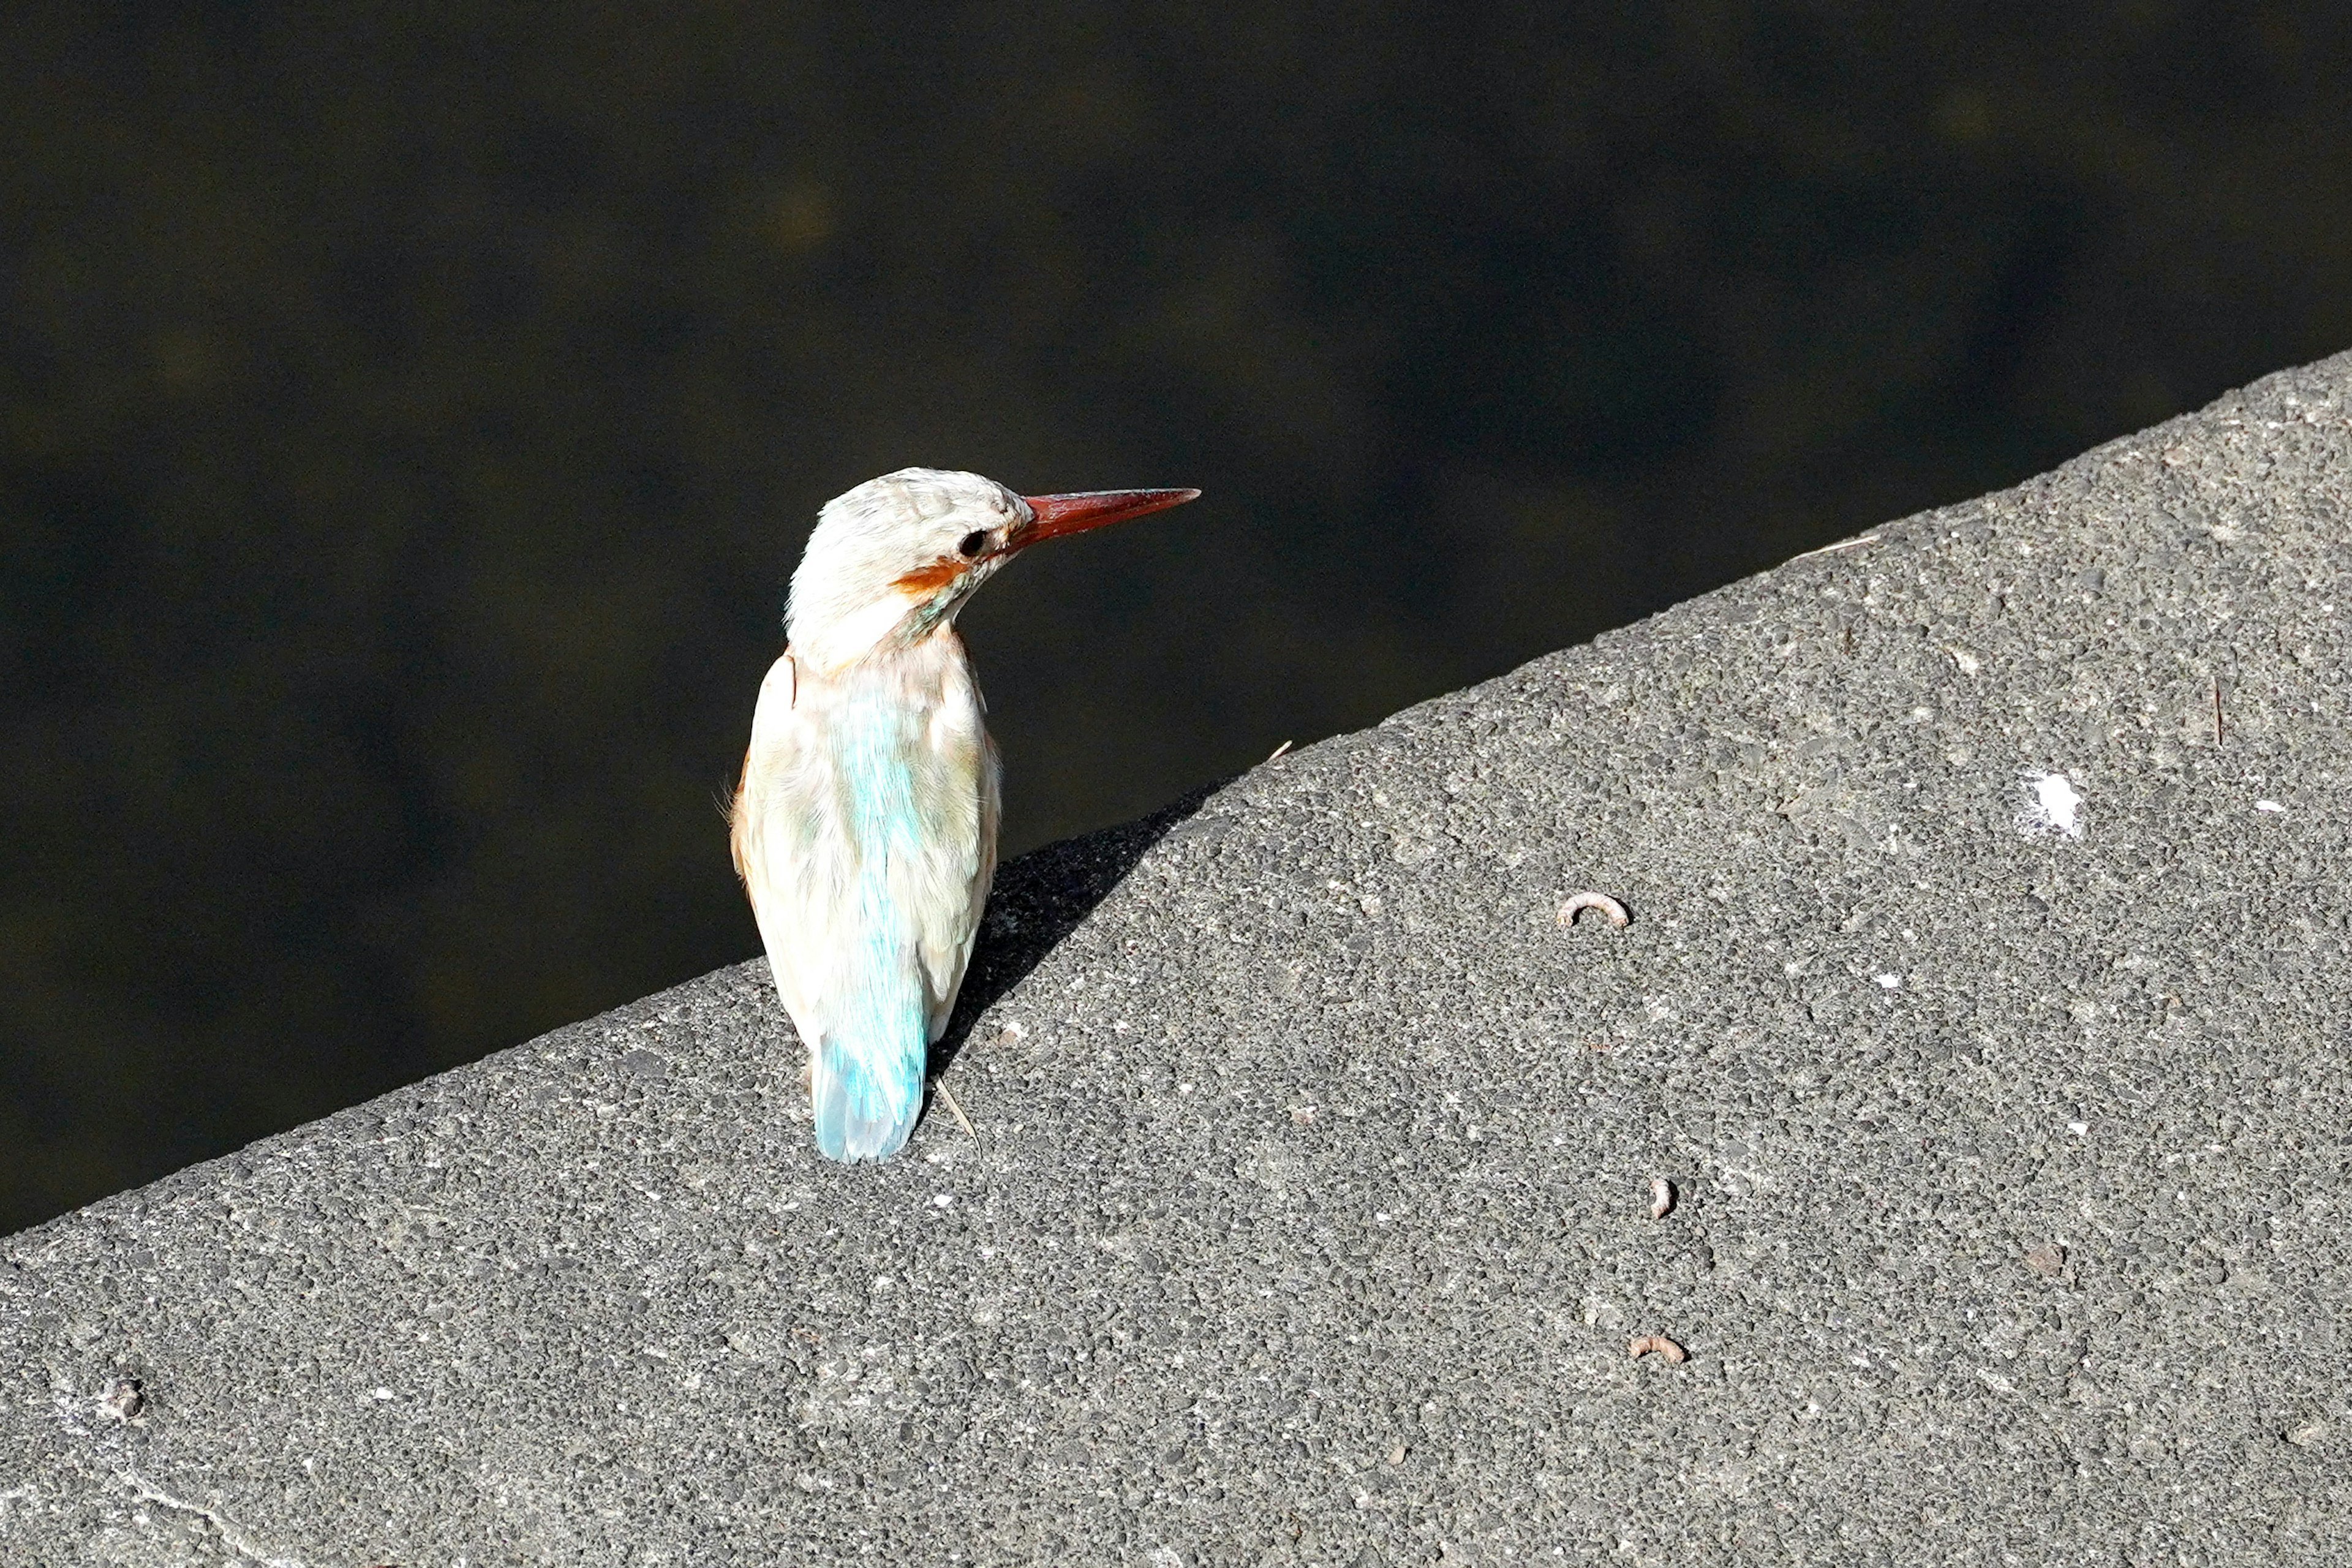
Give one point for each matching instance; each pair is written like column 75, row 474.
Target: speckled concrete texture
column 1309, row 1214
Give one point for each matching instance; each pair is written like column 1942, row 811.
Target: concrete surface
column 1309, row 1216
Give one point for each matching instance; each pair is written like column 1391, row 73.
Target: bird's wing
column 769, row 716
column 768, row 839
column 966, row 863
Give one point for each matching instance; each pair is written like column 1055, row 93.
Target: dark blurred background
column 409, row 418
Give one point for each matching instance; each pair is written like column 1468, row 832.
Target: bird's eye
column 971, row 544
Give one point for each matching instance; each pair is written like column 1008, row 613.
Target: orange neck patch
column 925, row 581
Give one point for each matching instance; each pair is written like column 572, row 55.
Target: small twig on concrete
column 2217, row 710
column 1834, row 549
column 954, row 1109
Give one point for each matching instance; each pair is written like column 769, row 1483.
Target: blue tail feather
column 865, row 1104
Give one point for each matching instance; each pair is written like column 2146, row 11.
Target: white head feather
column 893, row 560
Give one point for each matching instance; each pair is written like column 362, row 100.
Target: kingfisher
column 864, row 825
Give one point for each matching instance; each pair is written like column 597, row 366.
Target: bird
column 864, row 826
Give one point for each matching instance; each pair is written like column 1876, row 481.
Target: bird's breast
column 888, row 762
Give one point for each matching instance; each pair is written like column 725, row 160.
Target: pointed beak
column 1058, row 515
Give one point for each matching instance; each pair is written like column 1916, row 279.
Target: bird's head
column 892, row 560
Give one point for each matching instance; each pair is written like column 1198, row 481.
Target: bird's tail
column 866, row 1088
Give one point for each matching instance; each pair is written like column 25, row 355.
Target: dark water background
column 409, row 417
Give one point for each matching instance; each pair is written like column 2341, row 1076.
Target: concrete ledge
column 1309, row 1218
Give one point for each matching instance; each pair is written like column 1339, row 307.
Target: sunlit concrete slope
column 1984, row 1007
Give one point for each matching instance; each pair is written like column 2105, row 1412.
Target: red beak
column 1058, row 515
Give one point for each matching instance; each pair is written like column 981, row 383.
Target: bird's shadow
column 1042, row 897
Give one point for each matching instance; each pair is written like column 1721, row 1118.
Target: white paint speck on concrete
column 2268, row 805
column 2057, row 807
